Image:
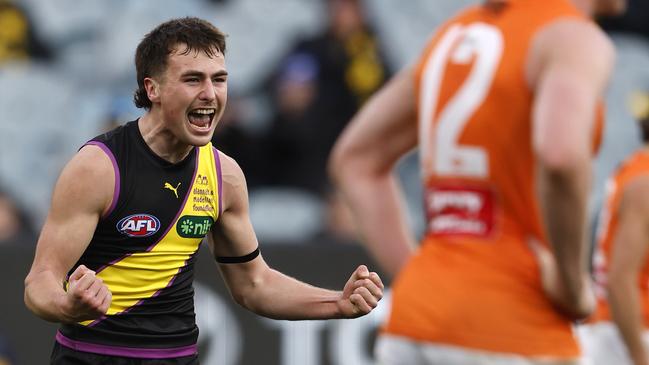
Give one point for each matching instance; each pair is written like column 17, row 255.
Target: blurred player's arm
column 84, row 190
column 630, row 246
column 265, row 291
column 362, row 165
column 571, row 61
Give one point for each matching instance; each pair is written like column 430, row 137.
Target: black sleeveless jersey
column 144, row 249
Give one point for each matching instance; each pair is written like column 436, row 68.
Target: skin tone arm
column 568, row 82
column 83, row 192
column 267, row 292
column 361, row 165
column 629, row 255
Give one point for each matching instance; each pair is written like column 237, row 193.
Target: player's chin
column 199, row 140
column 199, row 137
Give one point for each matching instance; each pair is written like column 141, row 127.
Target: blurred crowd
column 279, row 128
column 291, row 94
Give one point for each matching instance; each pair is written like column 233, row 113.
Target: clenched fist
column 361, row 294
column 87, row 296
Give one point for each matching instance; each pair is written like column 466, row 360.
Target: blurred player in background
column 504, row 106
column 115, row 259
column 617, row 333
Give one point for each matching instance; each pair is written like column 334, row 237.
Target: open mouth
column 201, row 118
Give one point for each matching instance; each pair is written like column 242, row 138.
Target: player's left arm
column 630, row 248
column 267, row 292
column 568, row 83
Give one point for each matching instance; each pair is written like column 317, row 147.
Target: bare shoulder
column 88, row 179
column 574, row 30
column 93, row 160
column 231, row 171
column 234, row 182
column 92, row 164
column 568, row 34
column 575, row 43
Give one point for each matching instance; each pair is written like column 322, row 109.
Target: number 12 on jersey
column 457, row 209
column 439, row 132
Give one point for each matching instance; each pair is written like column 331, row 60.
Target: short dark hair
column 151, row 54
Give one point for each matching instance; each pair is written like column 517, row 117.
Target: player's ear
column 152, row 88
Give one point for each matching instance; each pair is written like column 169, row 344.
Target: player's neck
column 495, row 5
column 586, row 6
column 161, row 140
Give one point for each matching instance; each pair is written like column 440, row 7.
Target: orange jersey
column 474, row 282
column 633, row 167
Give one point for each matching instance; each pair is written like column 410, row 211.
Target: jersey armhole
column 219, row 178
column 117, row 186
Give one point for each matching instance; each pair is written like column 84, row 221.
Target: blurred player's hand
column 576, row 305
column 87, row 296
column 361, row 294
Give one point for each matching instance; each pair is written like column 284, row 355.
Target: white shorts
column 394, row 350
column 602, row 344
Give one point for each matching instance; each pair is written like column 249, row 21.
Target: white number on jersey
column 440, row 151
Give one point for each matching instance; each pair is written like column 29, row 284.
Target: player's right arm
column 83, row 192
column 570, row 64
column 630, row 248
column 361, row 165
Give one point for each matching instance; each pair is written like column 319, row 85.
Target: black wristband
column 238, row 259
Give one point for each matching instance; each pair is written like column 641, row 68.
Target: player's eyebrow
column 202, row 74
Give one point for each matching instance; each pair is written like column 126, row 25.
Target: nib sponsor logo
column 193, row 226
column 138, row 225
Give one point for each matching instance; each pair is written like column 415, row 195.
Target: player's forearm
column 377, row 205
column 625, row 309
column 275, row 295
column 44, row 296
column 563, row 193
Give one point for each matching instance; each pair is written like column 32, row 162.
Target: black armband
column 238, row 259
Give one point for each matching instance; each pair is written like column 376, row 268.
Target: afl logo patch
column 138, row 225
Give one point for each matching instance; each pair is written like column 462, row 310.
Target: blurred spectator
column 289, row 138
column 639, row 105
column 634, row 20
column 316, row 88
column 15, row 227
column 243, row 144
column 18, row 40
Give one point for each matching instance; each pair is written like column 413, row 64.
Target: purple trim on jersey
column 219, row 178
column 100, row 319
column 140, row 353
column 96, row 321
column 170, row 282
column 117, row 175
column 182, row 206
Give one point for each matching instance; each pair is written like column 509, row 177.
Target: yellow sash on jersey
column 143, row 274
